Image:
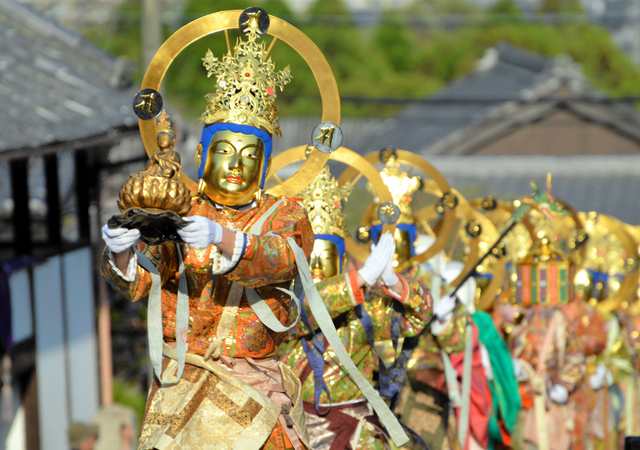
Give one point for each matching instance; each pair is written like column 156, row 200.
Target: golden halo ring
column 628, row 287
column 296, row 39
column 449, row 219
column 489, row 235
column 353, row 161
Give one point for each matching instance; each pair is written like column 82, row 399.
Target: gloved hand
column 381, row 255
column 389, row 276
column 119, row 239
column 201, row 232
column 559, row 394
column 600, row 377
column 519, row 372
column 444, row 307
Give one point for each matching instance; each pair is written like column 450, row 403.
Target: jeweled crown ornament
column 246, row 83
column 322, row 200
column 163, row 124
column 401, row 186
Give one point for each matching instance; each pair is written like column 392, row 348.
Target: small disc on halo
column 388, row 213
column 327, row 137
column 147, row 104
column 253, row 11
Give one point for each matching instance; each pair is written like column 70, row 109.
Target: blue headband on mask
column 412, row 229
column 339, row 243
column 210, row 130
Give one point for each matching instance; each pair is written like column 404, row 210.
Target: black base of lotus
column 156, row 226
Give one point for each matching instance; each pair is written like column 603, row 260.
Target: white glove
column 381, row 255
column 602, row 375
column 485, row 360
column 559, row 394
column 201, row 232
column 119, row 239
column 444, row 307
column 389, row 276
column 518, row 371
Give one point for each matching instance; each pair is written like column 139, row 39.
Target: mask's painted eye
column 250, row 153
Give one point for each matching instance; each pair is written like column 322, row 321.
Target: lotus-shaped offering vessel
column 155, row 200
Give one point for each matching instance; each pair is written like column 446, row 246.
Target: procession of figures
column 320, row 298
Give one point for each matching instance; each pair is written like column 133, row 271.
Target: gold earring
column 201, row 187
column 258, row 195
column 199, row 155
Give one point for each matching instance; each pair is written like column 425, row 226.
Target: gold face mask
column 233, row 169
column 325, row 260
column 402, row 256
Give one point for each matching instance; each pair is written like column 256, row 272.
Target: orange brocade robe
column 263, row 263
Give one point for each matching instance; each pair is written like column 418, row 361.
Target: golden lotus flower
column 157, row 187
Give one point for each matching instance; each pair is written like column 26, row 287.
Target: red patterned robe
column 260, row 262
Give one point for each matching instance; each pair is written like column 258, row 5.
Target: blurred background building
column 495, row 93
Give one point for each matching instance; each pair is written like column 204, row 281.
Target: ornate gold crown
column 164, row 126
column 401, row 186
column 322, row 200
column 246, row 84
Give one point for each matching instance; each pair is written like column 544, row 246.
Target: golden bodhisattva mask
column 325, row 260
column 234, row 166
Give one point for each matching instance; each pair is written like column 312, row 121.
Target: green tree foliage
column 391, row 60
column 441, row 7
column 329, row 8
column 393, row 39
column 561, row 6
column 505, row 7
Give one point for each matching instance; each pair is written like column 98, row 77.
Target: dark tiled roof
column 606, row 184
column 515, row 88
column 56, row 87
column 421, row 124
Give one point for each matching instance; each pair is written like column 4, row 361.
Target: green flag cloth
column 504, row 387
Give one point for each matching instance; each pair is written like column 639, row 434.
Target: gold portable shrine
column 545, row 276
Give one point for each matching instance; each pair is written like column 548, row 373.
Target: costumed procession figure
column 605, row 282
column 629, row 315
column 216, row 261
column 478, row 234
column 424, row 404
column 546, row 345
column 363, row 310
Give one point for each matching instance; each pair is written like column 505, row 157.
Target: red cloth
column 480, row 405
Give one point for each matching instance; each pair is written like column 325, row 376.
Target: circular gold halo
column 352, row 160
column 409, row 158
column 466, row 211
column 628, row 286
column 227, row 20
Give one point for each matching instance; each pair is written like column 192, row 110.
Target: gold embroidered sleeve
column 163, row 256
